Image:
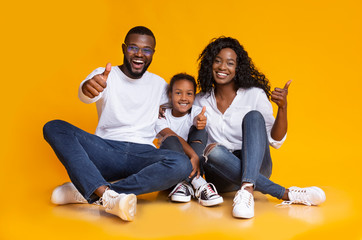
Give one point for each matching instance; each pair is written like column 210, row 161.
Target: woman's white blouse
column 226, row 128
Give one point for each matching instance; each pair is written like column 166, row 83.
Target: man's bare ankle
column 99, row 191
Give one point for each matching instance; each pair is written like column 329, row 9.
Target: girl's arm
column 194, row 158
column 279, row 96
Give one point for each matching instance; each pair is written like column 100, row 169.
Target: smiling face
column 223, row 67
column 182, row 97
column 135, row 63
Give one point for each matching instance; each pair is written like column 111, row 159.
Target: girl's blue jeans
column 197, row 139
column 125, row 167
column 228, row 170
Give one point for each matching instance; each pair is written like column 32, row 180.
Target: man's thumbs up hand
column 94, row 86
column 107, row 71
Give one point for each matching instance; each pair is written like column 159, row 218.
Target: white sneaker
column 121, row 205
column 67, row 193
column 182, row 192
column 308, row 196
column 208, row 195
column 243, row 203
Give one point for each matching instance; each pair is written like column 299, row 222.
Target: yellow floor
column 157, row 218
column 49, row 47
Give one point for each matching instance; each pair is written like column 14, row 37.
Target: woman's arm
column 194, row 158
column 279, row 96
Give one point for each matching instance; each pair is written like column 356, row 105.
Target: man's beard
column 129, row 68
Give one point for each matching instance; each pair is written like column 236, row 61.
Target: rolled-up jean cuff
column 249, row 181
column 281, row 194
column 91, row 197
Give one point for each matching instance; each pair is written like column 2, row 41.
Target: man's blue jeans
column 228, row 170
column 92, row 162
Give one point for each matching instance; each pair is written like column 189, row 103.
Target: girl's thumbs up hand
column 201, row 119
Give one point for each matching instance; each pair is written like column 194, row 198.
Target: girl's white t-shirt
column 180, row 125
column 128, row 108
column 226, row 128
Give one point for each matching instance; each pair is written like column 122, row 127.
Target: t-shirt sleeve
column 265, row 107
column 194, row 112
column 161, row 124
column 164, row 97
column 81, row 95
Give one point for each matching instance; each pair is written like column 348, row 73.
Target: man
column 119, row 161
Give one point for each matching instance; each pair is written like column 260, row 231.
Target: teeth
column 138, row 61
column 183, row 104
column 222, row 74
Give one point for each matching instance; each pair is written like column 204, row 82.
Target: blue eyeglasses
column 134, row 49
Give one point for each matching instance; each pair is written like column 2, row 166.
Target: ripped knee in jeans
column 208, row 150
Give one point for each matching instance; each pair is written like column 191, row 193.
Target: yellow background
column 48, row 47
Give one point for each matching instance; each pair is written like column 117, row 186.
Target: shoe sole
column 246, row 216
column 243, row 214
column 183, row 199
column 209, row 203
column 128, row 207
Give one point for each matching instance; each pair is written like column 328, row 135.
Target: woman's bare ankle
column 250, row 189
column 285, row 195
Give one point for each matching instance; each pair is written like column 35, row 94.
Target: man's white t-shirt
column 180, row 125
column 128, row 108
column 226, row 128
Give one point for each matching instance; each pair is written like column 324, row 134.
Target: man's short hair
column 142, row 31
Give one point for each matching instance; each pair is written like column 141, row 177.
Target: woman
column 241, row 126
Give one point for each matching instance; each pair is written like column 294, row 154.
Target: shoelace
column 108, row 199
column 297, row 196
column 181, row 187
column 243, row 196
column 207, row 190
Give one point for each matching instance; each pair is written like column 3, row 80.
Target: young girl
column 241, row 127
column 183, row 129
